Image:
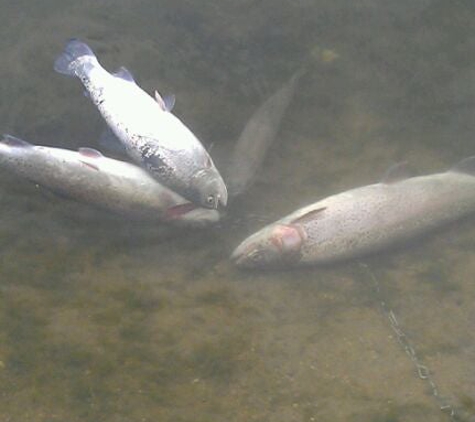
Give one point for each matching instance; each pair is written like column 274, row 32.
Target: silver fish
column 154, row 138
column 257, row 136
column 363, row 220
column 88, row 176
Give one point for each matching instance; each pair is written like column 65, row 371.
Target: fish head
column 208, row 188
column 277, row 245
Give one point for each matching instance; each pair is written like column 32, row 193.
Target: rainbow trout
column 363, row 220
column 87, row 176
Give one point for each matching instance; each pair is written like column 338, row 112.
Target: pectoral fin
column 90, row 165
column 90, row 152
column 166, row 103
column 125, row 74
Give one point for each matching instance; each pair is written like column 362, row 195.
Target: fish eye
column 210, row 200
column 256, row 256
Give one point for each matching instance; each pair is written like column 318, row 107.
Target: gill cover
column 209, row 188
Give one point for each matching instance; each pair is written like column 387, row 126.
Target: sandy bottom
column 103, row 319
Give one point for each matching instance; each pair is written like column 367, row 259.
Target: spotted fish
column 363, row 220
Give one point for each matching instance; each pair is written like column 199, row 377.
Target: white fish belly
column 132, row 113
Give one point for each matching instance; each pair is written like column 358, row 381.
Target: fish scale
column 154, row 138
column 88, row 176
column 363, row 220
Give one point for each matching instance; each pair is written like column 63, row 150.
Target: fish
column 257, row 136
column 153, row 137
column 363, row 220
column 88, row 176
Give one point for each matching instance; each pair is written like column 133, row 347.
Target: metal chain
column 422, row 370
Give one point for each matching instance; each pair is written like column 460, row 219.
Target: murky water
column 102, row 319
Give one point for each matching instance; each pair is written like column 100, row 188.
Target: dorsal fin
column 166, row 103
column 397, row 172
column 14, row 142
column 169, row 101
column 90, row 152
column 309, row 216
column 124, row 73
column 467, row 165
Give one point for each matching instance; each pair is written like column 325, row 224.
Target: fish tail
column 12, row 141
column 68, row 62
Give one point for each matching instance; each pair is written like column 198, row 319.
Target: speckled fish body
column 87, row 176
column 153, row 137
column 257, row 136
column 363, row 220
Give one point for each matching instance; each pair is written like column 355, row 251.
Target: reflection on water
column 104, row 319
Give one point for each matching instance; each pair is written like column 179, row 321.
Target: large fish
column 88, row 176
column 257, row 136
column 363, row 220
column 152, row 135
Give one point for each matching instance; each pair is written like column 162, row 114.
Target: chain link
column 422, row 370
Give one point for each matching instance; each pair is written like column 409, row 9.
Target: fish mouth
column 249, row 254
column 223, row 196
column 222, row 201
column 237, row 254
column 239, row 257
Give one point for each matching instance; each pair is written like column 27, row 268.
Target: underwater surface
column 106, row 319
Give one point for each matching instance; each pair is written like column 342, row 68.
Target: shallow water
column 102, row 319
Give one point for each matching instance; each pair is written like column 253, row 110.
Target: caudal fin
column 67, row 62
column 12, row 141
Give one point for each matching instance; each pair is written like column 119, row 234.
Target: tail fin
column 12, row 141
column 66, row 63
